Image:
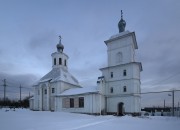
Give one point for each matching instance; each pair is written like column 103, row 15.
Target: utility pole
column 164, row 103
column 172, row 102
column 20, row 92
column 4, row 84
column 178, row 109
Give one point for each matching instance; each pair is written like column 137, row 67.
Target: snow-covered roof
column 78, row 91
column 119, row 34
column 59, row 74
column 122, row 34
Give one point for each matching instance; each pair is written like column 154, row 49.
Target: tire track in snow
column 90, row 124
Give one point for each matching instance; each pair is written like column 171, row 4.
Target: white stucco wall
column 130, row 104
column 31, row 104
column 124, row 45
column 63, row 56
column 44, row 101
column 91, row 104
column 36, row 98
column 131, row 80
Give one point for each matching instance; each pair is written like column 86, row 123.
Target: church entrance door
column 120, row 111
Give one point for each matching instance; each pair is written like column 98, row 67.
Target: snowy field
column 37, row 120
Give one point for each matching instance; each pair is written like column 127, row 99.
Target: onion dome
column 122, row 24
column 60, row 46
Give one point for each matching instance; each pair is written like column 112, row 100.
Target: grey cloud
column 87, row 76
column 159, row 54
column 42, row 41
column 7, row 67
column 41, row 46
column 13, row 83
column 156, row 26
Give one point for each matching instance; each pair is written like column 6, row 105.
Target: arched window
column 54, row 61
column 60, row 61
column 119, row 57
column 65, row 63
column 111, row 90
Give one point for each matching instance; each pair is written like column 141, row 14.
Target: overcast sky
column 29, row 31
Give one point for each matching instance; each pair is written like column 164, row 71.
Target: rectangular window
column 52, row 90
column 111, row 74
column 81, row 102
column 54, row 61
column 71, row 102
column 45, row 91
column 111, row 90
column 124, row 89
column 60, row 61
column 124, row 73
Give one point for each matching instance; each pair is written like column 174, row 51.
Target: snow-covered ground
column 41, row 120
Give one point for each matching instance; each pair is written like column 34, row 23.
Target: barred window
column 81, row 102
column 71, row 102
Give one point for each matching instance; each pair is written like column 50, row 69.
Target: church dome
column 60, row 46
column 122, row 24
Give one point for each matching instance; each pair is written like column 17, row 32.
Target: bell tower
column 59, row 58
column 122, row 75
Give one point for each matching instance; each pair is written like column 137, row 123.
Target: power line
column 159, row 91
column 15, row 91
column 18, row 87
column 166, row 79
column 26, row 88
column 11, row 84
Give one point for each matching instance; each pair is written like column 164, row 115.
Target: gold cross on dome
column 60, row 38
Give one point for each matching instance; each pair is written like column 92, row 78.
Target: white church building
column 117, row 91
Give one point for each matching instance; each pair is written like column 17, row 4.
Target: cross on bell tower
column 121, row 24
column 60, row 46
